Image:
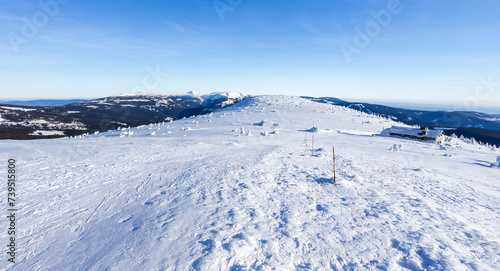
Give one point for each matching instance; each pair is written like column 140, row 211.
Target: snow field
column 201, row 195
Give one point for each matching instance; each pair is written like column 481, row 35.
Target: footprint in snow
column 320, row 208
column 209, row 245
column 125, row 219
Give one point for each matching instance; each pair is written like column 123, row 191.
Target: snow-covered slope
column 214, row 193
column 104, row 114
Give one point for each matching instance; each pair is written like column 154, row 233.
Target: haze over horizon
column 425, row 105
column 406, row 50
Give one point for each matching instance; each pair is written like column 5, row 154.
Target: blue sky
column 419, row 50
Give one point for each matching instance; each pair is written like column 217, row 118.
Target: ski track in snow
column 211, row 198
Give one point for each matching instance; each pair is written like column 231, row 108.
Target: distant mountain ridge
column 109, row 113
column 20, row 122
column 41, row 102
column 423, row 105
column 453, row 119
column 481, row 126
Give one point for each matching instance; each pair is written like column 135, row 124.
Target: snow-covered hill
column 239, row 189
column 20, row 122
column 481, row 126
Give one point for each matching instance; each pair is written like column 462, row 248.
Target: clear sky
column 373, row 49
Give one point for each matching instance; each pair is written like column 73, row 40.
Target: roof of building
column 412, row 132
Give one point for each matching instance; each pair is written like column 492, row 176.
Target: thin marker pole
column 313, row 139
column 334, row 169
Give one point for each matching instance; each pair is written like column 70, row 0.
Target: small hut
column 423, row 133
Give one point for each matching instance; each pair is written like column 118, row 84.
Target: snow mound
column 262, row 123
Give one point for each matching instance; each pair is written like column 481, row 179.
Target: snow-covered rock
column 397, row 148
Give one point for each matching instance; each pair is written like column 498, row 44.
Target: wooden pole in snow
column 313, row 139
column 334, row 169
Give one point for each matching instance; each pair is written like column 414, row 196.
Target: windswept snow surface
column 201, row 194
